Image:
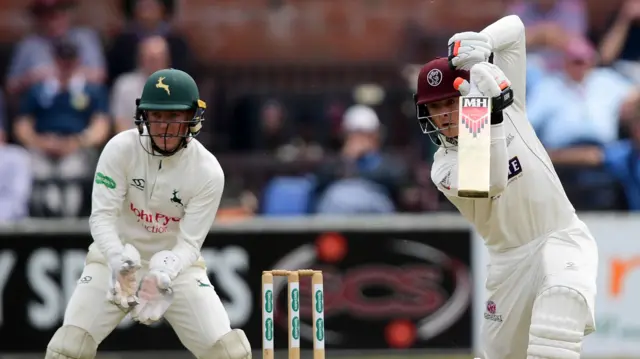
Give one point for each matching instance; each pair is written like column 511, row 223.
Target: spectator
column 153, row 55
column 61, row 122
column 581, row 104
column 620, row 44
column 363, row 180
column 621, row 159
column 275, row 130
column 549, row 25
column 15, row 177
column 33, row 59
column 149, row 18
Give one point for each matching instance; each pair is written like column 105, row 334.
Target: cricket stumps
column 293, row 315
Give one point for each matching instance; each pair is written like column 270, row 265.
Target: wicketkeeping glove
column 123, row 283
column 155, row 293
column 469, row 48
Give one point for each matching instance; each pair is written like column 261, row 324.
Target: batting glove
column 123, row 283
column 467, row 49
column 488, row 80
column 155, row 293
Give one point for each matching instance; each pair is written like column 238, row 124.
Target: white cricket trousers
column 196, row 314
column 566, row 258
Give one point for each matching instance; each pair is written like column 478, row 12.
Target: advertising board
column 393, row 289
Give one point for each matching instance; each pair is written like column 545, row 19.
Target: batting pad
column 71, row 342
column 557, row 327
column 233, row 345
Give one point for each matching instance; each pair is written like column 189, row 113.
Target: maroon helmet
column 435, row 83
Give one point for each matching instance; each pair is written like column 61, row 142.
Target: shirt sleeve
column 445, row 168
column 109, row 191
column 509, row 54
column 618, row 87
column 199, row 214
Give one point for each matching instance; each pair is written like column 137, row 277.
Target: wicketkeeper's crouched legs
column 200, row 320
column 558, row 321
column 88, row 319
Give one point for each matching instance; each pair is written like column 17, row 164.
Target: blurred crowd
column 353, row 149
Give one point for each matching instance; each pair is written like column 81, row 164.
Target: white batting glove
column 469, row 48
column 123, row 283
column 155, row 293
column 486, row 80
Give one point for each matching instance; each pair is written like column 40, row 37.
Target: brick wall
column 311, row 30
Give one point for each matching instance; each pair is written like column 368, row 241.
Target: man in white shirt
column 155, row 196
column 543, row 260
column 581, row 104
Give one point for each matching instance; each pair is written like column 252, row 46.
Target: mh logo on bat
column 475, row 102
column 475, row 114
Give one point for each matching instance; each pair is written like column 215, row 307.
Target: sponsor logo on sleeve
column 105, row 180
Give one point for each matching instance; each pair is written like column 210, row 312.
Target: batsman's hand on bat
column 467, row 49
column 488, row 80
column 155, row 293
column 123, row 283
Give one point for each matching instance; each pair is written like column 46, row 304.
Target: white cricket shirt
column 154, row 203
column 527, row 199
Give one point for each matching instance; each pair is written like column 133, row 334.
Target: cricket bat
column 474, row 147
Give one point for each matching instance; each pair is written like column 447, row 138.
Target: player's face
column 577, row 69
column 444, row 114
column 167, row 128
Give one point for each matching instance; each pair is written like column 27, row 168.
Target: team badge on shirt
column 490, row 312
column 514, row 168
column 177, row 201
column 79, row 101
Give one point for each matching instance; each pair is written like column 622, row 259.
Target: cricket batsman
column 155, row 196
column 543, row 260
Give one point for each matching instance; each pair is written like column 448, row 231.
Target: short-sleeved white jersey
column 527, row 199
